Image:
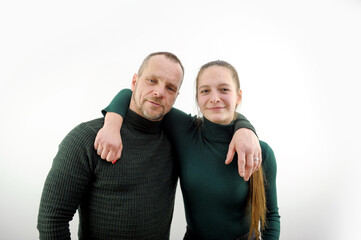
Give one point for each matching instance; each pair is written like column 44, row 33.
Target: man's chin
column 153, row 117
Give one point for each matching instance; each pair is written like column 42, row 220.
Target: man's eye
column 171, row 89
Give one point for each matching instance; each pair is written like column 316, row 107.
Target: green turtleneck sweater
column 131, row 199
column 215, row 197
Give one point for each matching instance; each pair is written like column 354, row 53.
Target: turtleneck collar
column 217, row 132
column 140, row 123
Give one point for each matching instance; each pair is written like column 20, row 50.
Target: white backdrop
column 299, row 61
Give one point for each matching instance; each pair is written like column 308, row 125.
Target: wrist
column 113, row 120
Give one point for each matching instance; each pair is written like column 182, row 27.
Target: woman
column 218, row 205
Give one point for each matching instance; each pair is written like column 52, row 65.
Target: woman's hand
column 246, row 144
column 108, row 141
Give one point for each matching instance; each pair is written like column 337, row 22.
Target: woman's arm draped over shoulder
column 242, row 122
column 120, row 103
column 108, row 142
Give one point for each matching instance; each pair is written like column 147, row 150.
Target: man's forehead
column 162, row 68
column 162, row 61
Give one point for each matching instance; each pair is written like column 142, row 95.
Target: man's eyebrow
column 153, row 76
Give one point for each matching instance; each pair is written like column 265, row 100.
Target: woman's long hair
column 257, row 202
column 256, row 195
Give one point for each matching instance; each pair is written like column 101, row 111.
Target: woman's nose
column 214, row 98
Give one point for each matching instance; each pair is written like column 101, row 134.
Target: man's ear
column 134, row 81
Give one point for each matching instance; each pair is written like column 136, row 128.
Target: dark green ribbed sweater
column 131, row 199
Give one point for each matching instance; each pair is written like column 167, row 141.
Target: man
column 134, row 198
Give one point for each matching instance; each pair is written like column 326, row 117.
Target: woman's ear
column 239, row 97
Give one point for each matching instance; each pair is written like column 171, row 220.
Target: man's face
column 155, row 91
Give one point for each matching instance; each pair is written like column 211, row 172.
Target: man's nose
column 159, row 91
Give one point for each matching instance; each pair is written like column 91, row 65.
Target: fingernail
column 114, row 161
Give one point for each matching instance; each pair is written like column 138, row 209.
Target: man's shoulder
column 93, row 125
column 86, row 130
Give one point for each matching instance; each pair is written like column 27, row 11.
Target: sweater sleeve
column 65, row 184
column 120, row 103
column 242, row 122
column 177, row 122
column 173, row 122
column 272, row 228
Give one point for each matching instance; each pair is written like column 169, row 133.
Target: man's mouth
column 155, row 103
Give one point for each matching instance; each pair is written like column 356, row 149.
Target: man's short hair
column 168, row 55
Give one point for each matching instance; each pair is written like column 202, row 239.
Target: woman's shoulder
column 268, row 156
column 265, row 147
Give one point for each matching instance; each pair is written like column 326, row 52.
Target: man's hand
column 108, row 142
column 246, row 144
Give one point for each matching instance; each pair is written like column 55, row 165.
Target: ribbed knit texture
column 215, row 196
column 131, row 199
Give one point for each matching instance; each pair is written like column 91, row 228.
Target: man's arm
column 64, row 186
column 246, row 144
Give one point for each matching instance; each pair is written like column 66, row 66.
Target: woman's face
column 217, row 95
